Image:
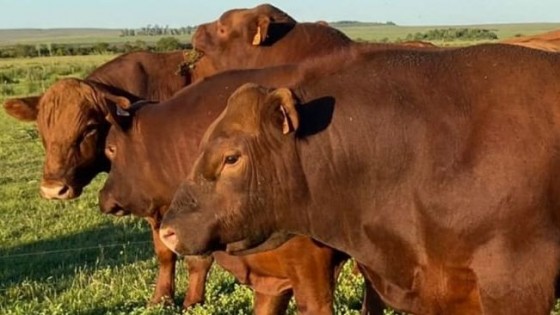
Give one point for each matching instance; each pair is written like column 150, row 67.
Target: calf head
column 246, row 174
column 70, row 118
column 238, row 33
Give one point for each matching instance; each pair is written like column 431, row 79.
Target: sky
column 176, row 13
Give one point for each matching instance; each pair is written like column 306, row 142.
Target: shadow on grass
column 133, row 308
column 63, row 257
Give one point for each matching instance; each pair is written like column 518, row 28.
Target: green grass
column 393, row 32
column 31, row 75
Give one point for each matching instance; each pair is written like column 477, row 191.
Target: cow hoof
column 188, row 303
column 161, row 301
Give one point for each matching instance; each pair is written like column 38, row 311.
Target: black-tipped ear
column 285, row 99
column 117, row 111
column 24, row 109
column 263, row 22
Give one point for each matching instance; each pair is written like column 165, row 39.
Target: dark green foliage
column 101, row 48
column 167, row 44
column 27, row 51
column 451, row 34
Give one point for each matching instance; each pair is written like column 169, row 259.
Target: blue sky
column 138, row 13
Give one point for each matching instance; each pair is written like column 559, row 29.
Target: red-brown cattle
column 79, row 107
column 263, row 36
column 161, row 140
column 70, row 118
column 549, row 41
column 438, row 174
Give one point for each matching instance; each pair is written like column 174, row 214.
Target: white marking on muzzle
column 56, row 192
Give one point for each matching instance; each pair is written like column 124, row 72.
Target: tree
column 168, row 43
column 25, row 51
column 101, row 48
column 140, row 44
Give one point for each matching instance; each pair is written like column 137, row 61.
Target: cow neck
column 351, row 179
column 114, row 90
column 131, row 75
column 329, row 162
column 116, row 84
column 317, row 43
column 170, row 131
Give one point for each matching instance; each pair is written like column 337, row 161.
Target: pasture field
column 29, row 75
column 74, row 36
column 394, row 32
column 364, row 31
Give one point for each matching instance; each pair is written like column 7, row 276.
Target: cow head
column 128, row 188
column 233, row 194
column 237, row 33
column 71, row 122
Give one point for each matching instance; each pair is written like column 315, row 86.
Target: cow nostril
column 56, row 190
column 167, row 233
column 169, row 238
column 117, row 210
column 111, row 206
column 64, row 190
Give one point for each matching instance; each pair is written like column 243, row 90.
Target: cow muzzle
column 169, row 238
column 109, row 205
column 201, row 239
column 57, row 190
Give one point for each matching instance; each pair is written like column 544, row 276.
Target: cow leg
column 198, row 268
column 313, row 281
column 372, row 303
column 271, row 304
column 165, row 283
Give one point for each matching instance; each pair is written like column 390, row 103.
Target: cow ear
column 284, row 99
column 117, row 114
column 261, row 34
column 24, row 109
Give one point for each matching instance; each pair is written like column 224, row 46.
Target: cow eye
column 90, row 129
column 231, row 159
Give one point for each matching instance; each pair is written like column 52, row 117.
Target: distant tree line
column 350, row 23
column 23, row 50
column 451, row 34
column 156, row 30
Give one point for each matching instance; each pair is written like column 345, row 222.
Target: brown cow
column 418, row 43
column 549, row 41
column 438, row 174
column 70, row 117
column 145, row 76
column 134, row 76
column 231, row 42
column 161, row 140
